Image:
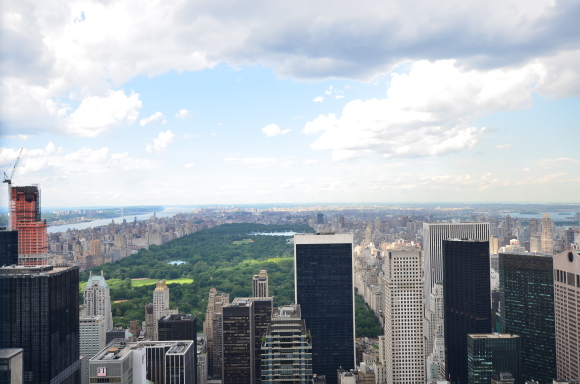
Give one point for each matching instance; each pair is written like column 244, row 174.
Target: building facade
column 492, row 354
column 547, row 234
column 260, row 284
column 161, row 305
column 323, row 275
column 98, row 299
column 26, row 220
column 8, row 248
column 467, row 300
column 526, row 286
column 403, row 314
column 92, row 334
column 177, row 327
column 567, row 313
column 39, row 313
column 286, row 350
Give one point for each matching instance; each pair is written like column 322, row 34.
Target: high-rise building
column 8, row 248
column 433, row 236
column 527, row 309
column 286, row 349
column 92, row 335
column 466, row 298
column 403, row 314
column 491, row 354
column 434, row 319
column 212, row 327
column 567, row 313
column 161, row 305
column 547, row 236
column 98, row 299
column 39, row 313
column 32, row 231
column 11, row 366
column 260, row 284
column 245, row 321
column 177, row 327
column 323, row 274
column 319, row 218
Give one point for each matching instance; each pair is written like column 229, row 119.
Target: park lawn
column 245, row 241
column 140, row 283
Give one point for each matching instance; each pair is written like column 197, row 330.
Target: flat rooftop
column 492, row 336
column 41, row 270
column 7, row 353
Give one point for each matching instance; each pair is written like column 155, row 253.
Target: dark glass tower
column 8, row 248
column 324, row 289
column 177, row 327
column 527, row 309
column 491, row 354
column 39, row 313
column 467, row 300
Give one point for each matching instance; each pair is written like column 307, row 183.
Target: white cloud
column 97, row 115
column 274, row 130
column 310, row 161
column 161, row 143
column 16, row 137
column 328, row 91
column 318, row 99
column 189, row 165
column 339, row 96
column 154, row 117
column 502, row 146
column 556, row 163
column 427, row 111
column 183, row 114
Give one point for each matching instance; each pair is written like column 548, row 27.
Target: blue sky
column 234, row 102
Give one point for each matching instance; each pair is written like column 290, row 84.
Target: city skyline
column 245, row 103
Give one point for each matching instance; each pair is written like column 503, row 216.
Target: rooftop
column 7, row 353
column 41, row 270
column 492, row 336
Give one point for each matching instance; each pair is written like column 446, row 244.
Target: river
column 96, row 223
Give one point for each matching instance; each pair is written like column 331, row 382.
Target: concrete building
column 98, row 299
column 92, row 335
column 39, row 313
column 11, row 366
column 260, row 284
column 286, row 349
column 323, row 268
column 567, row 313
column 213, row 327
column 403, row 314
column 120, row 362
column 161, row 305
column 492, row 354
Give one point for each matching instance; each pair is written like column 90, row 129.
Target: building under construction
column 32, row 231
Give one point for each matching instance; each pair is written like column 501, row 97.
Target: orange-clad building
column 32, row 231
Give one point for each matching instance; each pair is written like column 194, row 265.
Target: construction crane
column 9, row 179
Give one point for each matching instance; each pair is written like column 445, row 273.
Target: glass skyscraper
column 491, row 354
column 527, row 309
column 467, row 300
column 39, row 313
column 324, row 289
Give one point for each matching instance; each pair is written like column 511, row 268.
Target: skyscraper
column 491, row 354
column 39, row 313
column 260, row 284
column 433, row 236
column 92, row 335
column 286, row 339
column 403, row 326
column 32, row 231
column 567, row 312
column 161, row 305
column 323, row 269
column 527, row 309
column 8, row 248
column 98, row 299
column 177, row 327
column 245, row 321
column 466, row 298
column 547, row 237
column 212, row 327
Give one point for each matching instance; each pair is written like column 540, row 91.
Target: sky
column 252, row 102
